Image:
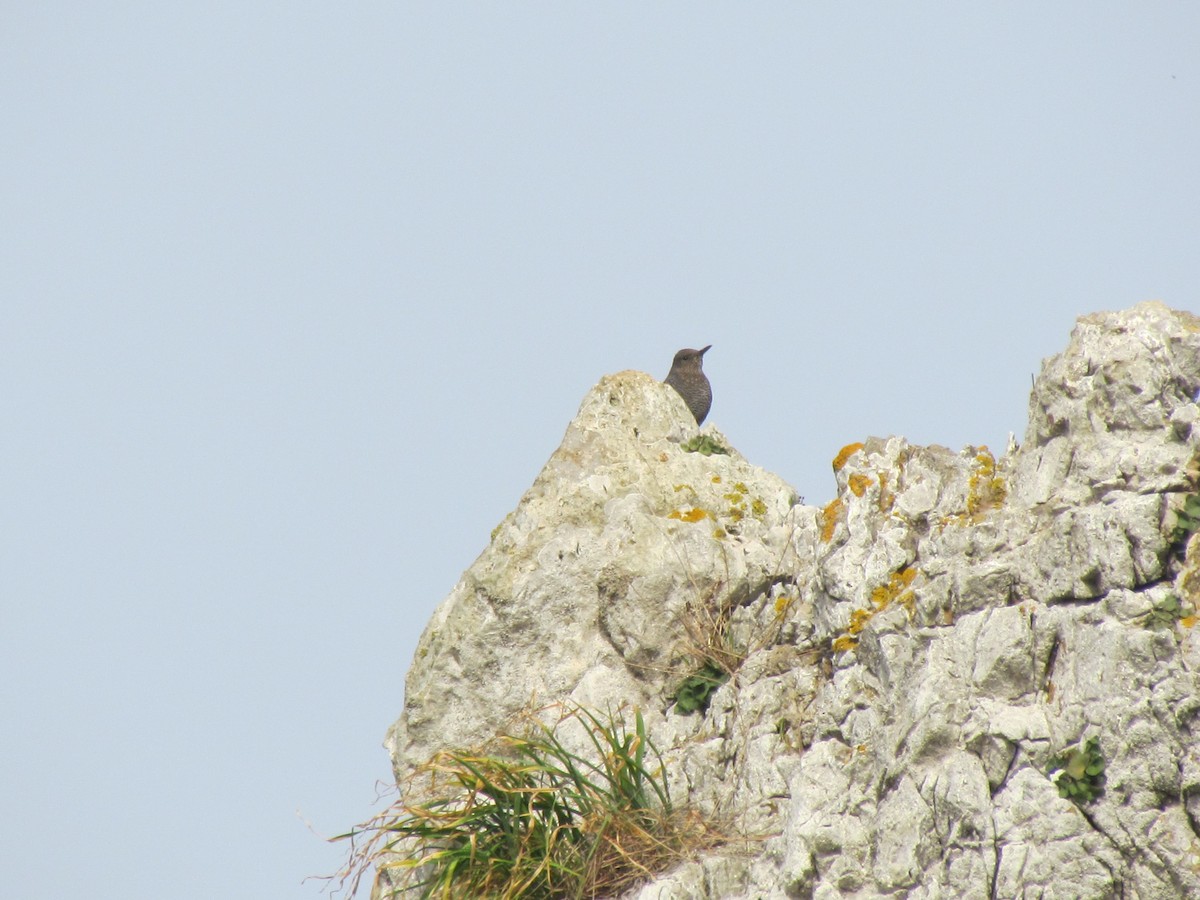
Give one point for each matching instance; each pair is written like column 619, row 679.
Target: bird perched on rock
column 687, row 377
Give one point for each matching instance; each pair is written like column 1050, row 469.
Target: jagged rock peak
column 578, row 595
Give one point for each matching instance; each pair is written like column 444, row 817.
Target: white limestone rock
column 918, row 652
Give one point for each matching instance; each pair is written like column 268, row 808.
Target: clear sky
column 297, row 298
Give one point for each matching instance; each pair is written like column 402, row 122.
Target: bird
column 688, row 378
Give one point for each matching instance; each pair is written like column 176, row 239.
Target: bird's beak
column 706, row 349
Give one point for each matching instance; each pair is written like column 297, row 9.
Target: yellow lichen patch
column 886, row 497
column 695, row 514
column 858, row 620
column 843, row 643
column 716, row 479
column 783, row 603
column 844, row 454
column 896, row 589
column 859, row 484
column 741, row 487
column 737, row 503
column 829, row 519
column 719, row 534
column 985, row 489
column 758, row 507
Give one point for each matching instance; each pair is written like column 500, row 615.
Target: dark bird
column 688, row 378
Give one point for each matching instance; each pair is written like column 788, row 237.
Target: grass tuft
column 532, row 819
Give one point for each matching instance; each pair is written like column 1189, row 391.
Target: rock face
column 918, row 654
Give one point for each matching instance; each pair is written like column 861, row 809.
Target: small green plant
column 1167, row 613
column 1187, row 520
column 714, row 657
column 714, row 653
column 532, row 821
column 1080, row 772
column 703, row 444
column 697, row 689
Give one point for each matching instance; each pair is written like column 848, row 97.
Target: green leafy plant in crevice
column 1079, row 772
column 706, row 621
column 1187, row 520
column 695, row 693
column 703, row 444
column 711, row 650
column 533, row 819
column 714, row 653
column 1169, row 611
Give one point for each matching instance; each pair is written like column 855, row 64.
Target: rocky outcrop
column 918, row 655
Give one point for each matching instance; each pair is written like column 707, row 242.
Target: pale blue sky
column 297, row 298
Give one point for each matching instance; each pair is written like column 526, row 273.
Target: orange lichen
column 896, row 590
column 844, row 454
column 859, row 484
column 858, row 620
column 986, row 490
column 843, row 643
column 695, row 514
column 829, row 519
